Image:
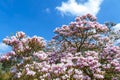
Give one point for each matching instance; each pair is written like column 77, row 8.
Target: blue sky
column 41, row 17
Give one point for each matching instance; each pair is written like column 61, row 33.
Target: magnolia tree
column 82, row 50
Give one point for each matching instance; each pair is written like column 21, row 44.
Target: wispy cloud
column 72, row 7
column 47, row 10
column 3, row 48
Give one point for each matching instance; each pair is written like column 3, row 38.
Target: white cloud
column 4, row 48
column 72, row 7
column 117, row 27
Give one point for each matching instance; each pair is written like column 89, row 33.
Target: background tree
column 83, row 34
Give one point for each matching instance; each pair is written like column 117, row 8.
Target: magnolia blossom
column 41, row 55
column 18, row 75
column 82, row 50
column 30, row 72
column 20, row 34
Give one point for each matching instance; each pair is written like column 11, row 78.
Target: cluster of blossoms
column 85, row 32
column 23, row 48
column 80, row 51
